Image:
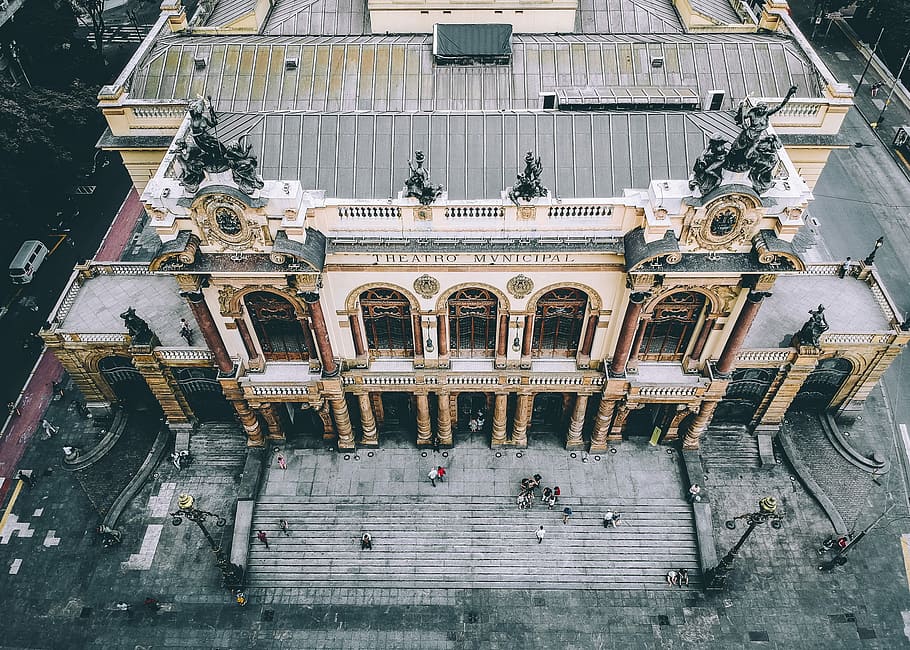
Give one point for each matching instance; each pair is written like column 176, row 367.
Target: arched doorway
column 745, row 393
column 668, row 332
column 823, row 384
column 281, row 334
column 472, row 323
column 387, row 323
column 557, row 323
column 548, row 418
column 203, row 394
column 399, row 419
column 477, row 407
column 305, row 429
column 127, row 383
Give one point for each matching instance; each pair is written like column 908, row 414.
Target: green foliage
column 46, row 137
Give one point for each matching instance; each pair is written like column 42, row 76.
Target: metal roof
column 489, row 39
column 627, row 17
column 227, row 11
column 721, row 11
column 476, row 155
column 396, row 73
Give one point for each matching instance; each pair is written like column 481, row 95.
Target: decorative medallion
column 423, row 214
column 520, row 286
column 223, row 220
column 527, row 212
column 724, row 225
column 427, row 286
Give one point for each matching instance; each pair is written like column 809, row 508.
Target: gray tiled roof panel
column 396, row 73
column 226, row 11
column 720, row 10
column 476, row 155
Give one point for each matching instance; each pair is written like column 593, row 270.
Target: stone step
column 468, row 542
column 221, row 445
column 730, row 447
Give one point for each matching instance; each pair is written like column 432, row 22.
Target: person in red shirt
column 440, row 472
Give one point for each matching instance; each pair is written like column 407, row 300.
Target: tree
column 94, row 9
column 46, row 136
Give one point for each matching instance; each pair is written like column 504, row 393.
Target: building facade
column 581, row 236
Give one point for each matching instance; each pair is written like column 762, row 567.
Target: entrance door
column 641, row 422
column 399, row 422
column 203, row 393
column 822, row 384
column 548, row 419
column 128, row 385
column 304, row 429
column 474, row 406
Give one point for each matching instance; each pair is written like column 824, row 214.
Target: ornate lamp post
column 717, row 577
column 870, row 258
column 231, row 574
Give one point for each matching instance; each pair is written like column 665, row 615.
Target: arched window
column 472, row 323
column 558, row 322
column 277, row 326
column 387, row 321
column 667, row 334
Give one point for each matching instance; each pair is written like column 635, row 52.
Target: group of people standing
column 526, row 495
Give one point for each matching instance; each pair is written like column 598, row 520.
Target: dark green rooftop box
column 470, row 44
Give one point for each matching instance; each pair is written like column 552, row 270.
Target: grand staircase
column 730, row 447
column 468, row 542
column 221, row 445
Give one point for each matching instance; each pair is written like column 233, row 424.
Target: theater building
column 474, row 229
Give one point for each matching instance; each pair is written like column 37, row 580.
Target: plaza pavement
column 64, row 586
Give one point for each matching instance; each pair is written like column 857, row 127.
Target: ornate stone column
column 587, row 343
column 248, row 343
column 602, row 424
column 159, row 380
column 750, row 309
column 312, row 348
column 272, row 421
column 527, row 340
column 328, row 425
column 444, row 427
column 360, row 346
column 250, row 422
column 442, row 329
column 500, row 405
column 619, row 421
column 327, row 356
column 706, row 329
column 342, row 423
column 632, row 363
column 424, row 426
column 682, row 412
column 698, row 425
column 627, row 333
column 574, row 439
column 209, row 330
column 370, row 434
column 522, row 419
column 417, row 327
column 502, row 341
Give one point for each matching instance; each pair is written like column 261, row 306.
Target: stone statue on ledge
column 418, row 183
column 762, row 159
column 528, row 186
column 753, row 123
column 708, row 170
column 201, row 151
column 137, row 327
column 813, row 328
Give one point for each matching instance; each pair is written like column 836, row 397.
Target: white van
column 30, row 256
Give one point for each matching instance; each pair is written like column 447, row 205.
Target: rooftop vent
column 200, row 62
column 632, row 98
column 657, row 61
column 714, row 100
column 290, row 63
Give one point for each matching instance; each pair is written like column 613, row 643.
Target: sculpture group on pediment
column 201, row 151
column 528, row 186
column 418, row 184
column 137, row 327
column 752, row 151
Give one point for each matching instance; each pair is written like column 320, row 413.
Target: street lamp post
column 897, row 79
column 870, row 258
column 231, row 574
column 717, row 577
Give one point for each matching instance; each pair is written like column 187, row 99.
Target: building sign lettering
column 474, row 258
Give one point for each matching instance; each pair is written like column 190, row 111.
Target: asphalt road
column 28, row 305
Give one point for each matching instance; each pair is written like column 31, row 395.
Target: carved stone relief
column 520, row 286
column 223, row 221
column 427, row 286
column 725, row 224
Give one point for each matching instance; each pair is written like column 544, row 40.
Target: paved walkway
column 121, row 230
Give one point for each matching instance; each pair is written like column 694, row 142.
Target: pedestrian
column 672, row 577
column 551, row 502
column 566, row 513
column 540, row 533
column 49, row 429
column 694, row 493
column 366, row 542
column 186, row 332
column 282, row 463
column 556, row 492
column 13, row 409
column 546, row 494
column 262, row 537
column 433, row 475
column 28, row 479
column 472, row 425
column 683, row 577
column 59, row 392
column 612, row 519
column 844, row 268
column 241, row 599
column 440, row 473
column 283, row 525
column 874, row 88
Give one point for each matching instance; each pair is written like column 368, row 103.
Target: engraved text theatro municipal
column 477, row 258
